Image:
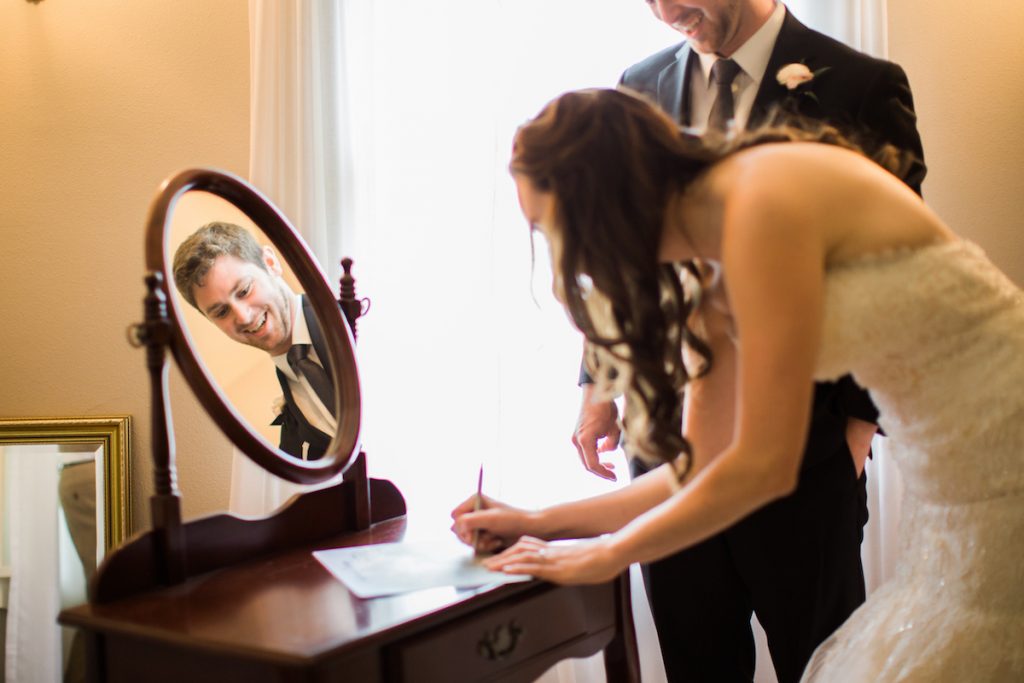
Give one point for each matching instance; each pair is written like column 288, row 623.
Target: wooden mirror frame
column 336, row 332
column 173, row 551
column 113, row 433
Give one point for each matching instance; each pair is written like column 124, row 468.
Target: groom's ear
column 271, row 260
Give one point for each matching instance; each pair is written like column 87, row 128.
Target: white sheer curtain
column 299, row 156
column 461, row 365
column 299, row 119
column 33, row 645
column 383, row 131
column 389, row 125
column 860, row 24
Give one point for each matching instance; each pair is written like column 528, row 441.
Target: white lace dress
column 936, row 334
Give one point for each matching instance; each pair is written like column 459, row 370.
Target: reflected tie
column 303, row 366
column 723, row 73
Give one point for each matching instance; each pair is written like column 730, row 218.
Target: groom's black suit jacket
column 856, row 92
column 796, row 562
column 296, row 430
column 867, row 97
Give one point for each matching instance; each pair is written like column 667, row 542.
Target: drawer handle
column 500, row 641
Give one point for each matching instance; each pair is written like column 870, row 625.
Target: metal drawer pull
column 500, row 641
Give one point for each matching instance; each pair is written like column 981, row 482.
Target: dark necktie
column 303, row 366
column 723, row 73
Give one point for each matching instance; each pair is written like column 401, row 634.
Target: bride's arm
column 709, row 421
column 773, row 259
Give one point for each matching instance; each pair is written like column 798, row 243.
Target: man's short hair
column 197, row 254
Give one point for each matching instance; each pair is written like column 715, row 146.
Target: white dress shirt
column 752, row 58
column 305, row 397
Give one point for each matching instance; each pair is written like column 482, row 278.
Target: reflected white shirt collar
column 754, row 54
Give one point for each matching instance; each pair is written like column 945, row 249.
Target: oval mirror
column 254, row 326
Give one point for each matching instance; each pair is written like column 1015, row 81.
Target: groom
column 796, row 562
column 237, row 284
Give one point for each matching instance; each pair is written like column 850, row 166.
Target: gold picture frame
column 113, row 433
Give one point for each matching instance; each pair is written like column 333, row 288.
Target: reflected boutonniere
column 277, row 407
column 795, row 77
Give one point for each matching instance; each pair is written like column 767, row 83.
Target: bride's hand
column 584, row 562
column 494, row 526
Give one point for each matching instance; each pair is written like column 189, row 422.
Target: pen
column 478, row 505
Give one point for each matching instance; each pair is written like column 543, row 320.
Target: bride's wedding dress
column 936, row 334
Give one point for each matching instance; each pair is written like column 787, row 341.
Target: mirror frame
column 337, row 335
column 113, row 432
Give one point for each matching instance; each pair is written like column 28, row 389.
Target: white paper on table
column 372, row 571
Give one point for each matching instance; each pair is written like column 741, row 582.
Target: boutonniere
column 277, row 407
column 795, row 77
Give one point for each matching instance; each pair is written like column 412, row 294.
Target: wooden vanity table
column 286, row 618
column 224, row 598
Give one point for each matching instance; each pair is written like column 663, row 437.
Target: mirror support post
column 359, row 500
column 165, row 505
column 355, row 475
column 350, row 305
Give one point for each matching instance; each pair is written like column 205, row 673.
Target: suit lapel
column 674, row 87
column 315, row 335
column 791, row 46
column 303, row 430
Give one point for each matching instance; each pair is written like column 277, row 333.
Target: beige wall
column 99, row 101
column 966, row 67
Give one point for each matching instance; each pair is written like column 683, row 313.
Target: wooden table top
column 287, row 608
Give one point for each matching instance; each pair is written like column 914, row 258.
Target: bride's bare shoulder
column 802, row 174
column 779, row 161
column 767, row 172
column 795, row 190
column 779, row 193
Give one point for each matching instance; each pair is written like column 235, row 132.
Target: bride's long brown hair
column 613, row 161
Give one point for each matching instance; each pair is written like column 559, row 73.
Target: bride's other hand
column 584, row 562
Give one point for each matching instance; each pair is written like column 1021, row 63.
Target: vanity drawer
column 505, row 635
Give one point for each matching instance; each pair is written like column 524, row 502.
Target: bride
column 827, row 265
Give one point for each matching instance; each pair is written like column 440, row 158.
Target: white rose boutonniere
column 277, row 407
column 792, row 76
column 795, row 77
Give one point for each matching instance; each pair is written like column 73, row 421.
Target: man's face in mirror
column 251, row 304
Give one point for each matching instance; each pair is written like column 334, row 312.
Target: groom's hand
column 597, row 431
column 858, row 437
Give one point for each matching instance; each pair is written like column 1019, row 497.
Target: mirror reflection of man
column 237, row 284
